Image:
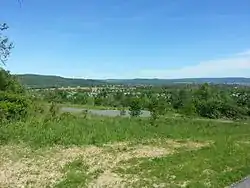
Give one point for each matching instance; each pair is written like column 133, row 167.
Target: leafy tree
column 208, row 108
column 98, row 100
column 204, row 92
column 80, row 98
column 154, row 109
column 13, row 106
column 188, row 107
column 158, row 106
column 13, row 103
column 135, row 107
column 9, row 83
column 118, row 96
column 5, row 44
column 181, row 100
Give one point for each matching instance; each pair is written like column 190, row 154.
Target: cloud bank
column 236, row 66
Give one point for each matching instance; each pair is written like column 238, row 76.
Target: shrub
column 155, row 110
column 66, row 116
column 135, row 107
column 9, row 83
column 53, row 110
column 248, row 112
column 209, row 109
column 13, row 106
column 232, row 111
column 188, row 108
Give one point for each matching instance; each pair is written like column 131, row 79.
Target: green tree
column 135, row 107
column 204, row 92
column 9, row 83
column 5, row 44
column 80, row 98
column 154, row 110
column 179, row 99
column 98, row 100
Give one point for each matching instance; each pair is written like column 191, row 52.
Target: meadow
column 74, row 150
column 197, row 134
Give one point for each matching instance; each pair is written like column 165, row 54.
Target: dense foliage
column 211, row 101
column 14, row 104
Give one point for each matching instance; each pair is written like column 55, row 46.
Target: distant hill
column 44, row 81
column 228, row 80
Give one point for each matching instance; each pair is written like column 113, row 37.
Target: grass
column 129, row 152
column 76, row 175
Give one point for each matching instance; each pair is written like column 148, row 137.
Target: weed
column 76, row 175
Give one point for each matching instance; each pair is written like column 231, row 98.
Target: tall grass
column 225, row 161
column 71, row 130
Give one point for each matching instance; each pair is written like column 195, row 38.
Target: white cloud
column 236, row 66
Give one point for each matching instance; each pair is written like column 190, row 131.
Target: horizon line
column 72, row 77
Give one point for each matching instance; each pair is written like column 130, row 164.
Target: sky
column 102, row 39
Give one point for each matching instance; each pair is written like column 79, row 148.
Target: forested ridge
column 43, row 81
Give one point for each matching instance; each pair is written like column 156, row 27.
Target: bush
column 66, row 116
column 188, row 108
column 135, row 107
column 219, row 109
column 9, row 83
column 156, row 109
column 13, row 106
column 232, row 111
column 248, row 112
column 209, row 109
column 53, row 110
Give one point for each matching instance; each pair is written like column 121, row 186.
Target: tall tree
column 5, row 44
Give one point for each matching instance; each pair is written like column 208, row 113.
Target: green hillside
column 44, row 81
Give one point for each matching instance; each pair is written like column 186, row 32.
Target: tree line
column 206, row 100
column 210, row 101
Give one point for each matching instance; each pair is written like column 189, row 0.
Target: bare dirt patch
column 20, row 166
column 33, row 169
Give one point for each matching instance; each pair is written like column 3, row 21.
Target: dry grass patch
column 21, row 166
column 39, row 168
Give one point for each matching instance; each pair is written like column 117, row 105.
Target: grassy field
column 123, row 152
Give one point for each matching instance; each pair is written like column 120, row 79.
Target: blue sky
column 129, row 38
